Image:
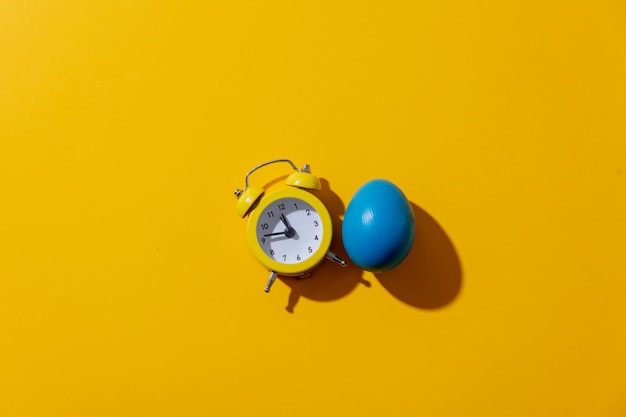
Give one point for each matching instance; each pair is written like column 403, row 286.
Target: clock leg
column 270, row 281
column 331, row 256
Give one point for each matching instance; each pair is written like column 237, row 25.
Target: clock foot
column 270, row 281
column 331, row 256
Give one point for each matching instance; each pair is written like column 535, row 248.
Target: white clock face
column 289, row 230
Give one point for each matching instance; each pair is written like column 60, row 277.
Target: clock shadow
column 431, row 276
column 330, row 281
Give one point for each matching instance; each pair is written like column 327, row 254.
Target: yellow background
column 127, row 288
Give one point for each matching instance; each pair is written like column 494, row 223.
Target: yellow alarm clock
column 289, row 230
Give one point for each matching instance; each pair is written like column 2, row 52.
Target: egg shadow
column 431, row 276
column 330, row 281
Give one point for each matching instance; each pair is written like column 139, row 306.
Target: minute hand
column 283, row 218
column 290, row 232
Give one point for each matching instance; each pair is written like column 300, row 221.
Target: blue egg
column 378, row 228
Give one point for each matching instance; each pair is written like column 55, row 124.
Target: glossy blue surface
column 378, row 228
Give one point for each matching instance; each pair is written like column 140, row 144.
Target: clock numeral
column 295, row 205
column 308, row 212
column 284, row 257
column 309, row 248
column 262, row 240
column 317, row 238
column 270, row 214
column 265, row 226
column 315, row 223
column 298, row 257
column 271, row 251
column 281, row 206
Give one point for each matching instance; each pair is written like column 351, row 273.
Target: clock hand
column 290, row 232
column 283, row 218
column 276, row 234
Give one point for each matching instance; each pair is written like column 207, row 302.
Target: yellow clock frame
column 308, row 264
column 251, row 203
